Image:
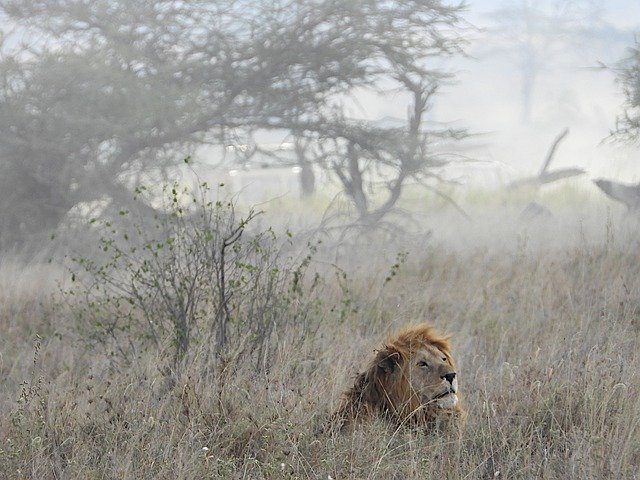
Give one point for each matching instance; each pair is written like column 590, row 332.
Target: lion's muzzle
column 448, row 401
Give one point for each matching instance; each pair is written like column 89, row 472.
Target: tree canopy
column 97, row 96
column 628, row 76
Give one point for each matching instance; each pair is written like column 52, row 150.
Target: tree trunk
column 355, row 187
column 307, row 179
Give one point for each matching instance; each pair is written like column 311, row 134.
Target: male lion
column 411, row 380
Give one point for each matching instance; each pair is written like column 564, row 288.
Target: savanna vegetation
column 177, row 333
column 99, row 382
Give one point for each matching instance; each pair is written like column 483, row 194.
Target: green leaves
column 189, row 281
column 401, row 258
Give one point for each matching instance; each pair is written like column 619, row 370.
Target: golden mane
column 419, row 336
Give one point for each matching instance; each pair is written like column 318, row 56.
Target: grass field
column 545, row 322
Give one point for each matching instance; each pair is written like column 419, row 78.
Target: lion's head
column 412, row 379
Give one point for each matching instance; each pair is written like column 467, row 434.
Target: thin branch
column 450, row 200
column 552, row 151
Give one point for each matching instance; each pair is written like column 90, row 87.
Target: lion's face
column 413, row 378
column 432, row 378
column 417, row 375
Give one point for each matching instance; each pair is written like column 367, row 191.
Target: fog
column 219, row 220
column 570, row 89
column 101, row 99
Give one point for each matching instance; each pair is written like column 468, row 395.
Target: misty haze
column 243, row 239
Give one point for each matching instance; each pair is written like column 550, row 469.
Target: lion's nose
column 449, row 377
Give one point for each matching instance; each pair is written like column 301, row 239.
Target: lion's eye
column 444, row 359
column 423, row 364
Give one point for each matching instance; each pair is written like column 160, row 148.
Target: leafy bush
column 192, row 281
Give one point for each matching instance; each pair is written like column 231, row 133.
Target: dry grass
column 546, row 340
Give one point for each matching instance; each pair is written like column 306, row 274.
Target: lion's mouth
column 447, row 400
column 444, row 394
column 447, row 392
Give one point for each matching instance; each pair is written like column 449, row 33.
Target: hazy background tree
column 627, row 128
column 536, row 34
column 98, row 97
column 386, row 47
column 628, row 76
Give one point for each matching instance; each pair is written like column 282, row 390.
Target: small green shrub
column 192, row 282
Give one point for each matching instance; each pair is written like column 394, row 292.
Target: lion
column 411, row 380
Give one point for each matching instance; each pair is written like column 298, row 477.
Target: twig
column 552, row 151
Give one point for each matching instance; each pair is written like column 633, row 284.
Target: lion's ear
column 388, row 359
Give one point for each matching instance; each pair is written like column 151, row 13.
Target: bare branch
column 552, row 151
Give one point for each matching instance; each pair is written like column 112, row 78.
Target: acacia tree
column 536, row 33
column 376, row 45
column 98, row 96
column 628, row 76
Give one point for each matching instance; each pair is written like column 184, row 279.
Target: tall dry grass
column 546, row 340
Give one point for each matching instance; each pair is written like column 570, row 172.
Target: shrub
column 192, row 281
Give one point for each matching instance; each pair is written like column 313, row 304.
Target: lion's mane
column 384, row 388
